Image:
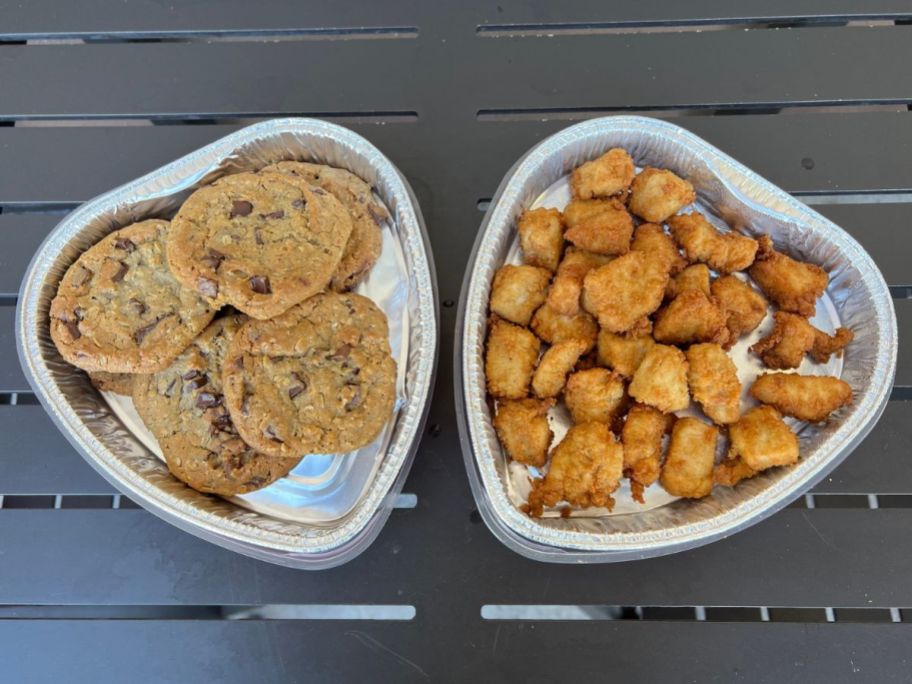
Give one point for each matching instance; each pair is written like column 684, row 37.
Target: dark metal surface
column 454, row 94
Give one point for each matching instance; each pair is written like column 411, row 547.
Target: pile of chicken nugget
column 625, row 309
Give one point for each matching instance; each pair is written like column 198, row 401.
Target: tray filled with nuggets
column 659, row 347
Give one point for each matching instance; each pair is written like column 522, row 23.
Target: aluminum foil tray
column 330, row 507
column 857, row 297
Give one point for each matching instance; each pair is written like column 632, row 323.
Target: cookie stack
column 292, row 364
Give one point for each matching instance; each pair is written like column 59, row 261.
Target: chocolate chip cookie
column 261, row 242
column 118, row 308
column 118, row 383
column 318, row 379
column 184, row 408
column 363, row 247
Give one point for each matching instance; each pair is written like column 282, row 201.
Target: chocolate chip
column 240, row 208
column 207, row 287
column 274, row 215
column 190, row 374
column 260, row 284
column 121, row 272
column 256, row 482
column 355, row 401
column 197, row 381
column 298, row 203
column 271, row 434
column 342, row 352
column 295, row 391
column 81, row 276
column 223, row 423
column 301, row 378
column 318, row 191
column 170, row 387
column 140, row 334
column 137, row 306
column 125, row 244
column 213, row 259
column 72, row 327
column 239, row 363
column 208, row 400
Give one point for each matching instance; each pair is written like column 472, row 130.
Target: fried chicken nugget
column 760, row 440
column 600, row 226
column 564, row 295
column 523, row 430
column 655, row 243
column 554, row 365
column 688, row 469
column 608, row 175
column 661, row 379
column 656, row 194
column 743, row 306
column 792, row 337
column 621, row 293
column 805, row 397
column 694, row 277
column 511, row 357
column 792, row 285
column 517, row 291
column 713, row 380
column 553, row 327
column 623, row 353
column 690, row 317
column 541, row 236
column 594, row 396
column 701, row 242
column 586, row 467
column 642, row 439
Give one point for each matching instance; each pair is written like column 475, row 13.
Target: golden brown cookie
column 118, row 383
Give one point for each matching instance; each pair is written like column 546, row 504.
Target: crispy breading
column 541, row 236
column 743, row 306
column 792, row 337
column 620, row 294
column 642, row 436
column 522, row 426
column 623, row 353
column 791, row 285
column 511, row 357
column 655, row 243
column 564, row 295
column 690, row 317
column 656, row 194
column 759, row 440
column 555, row 363
column 694, row 277
column 805, row 397
column 602, row 226
column 701, row 242
column 594, row 395
column 731, row 471
column 553, row 327
column 713, row 380
column 661, row 379
column 517, row 291
column 607, row 175
column 688, row 468
column 585, row 469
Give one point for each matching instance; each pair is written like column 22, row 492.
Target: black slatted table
column 813, row 94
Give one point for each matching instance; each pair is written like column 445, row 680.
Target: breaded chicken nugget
column 690, row 317
column 585, row 469
column 661, row 379
column 805, row 397
column 792, row 337
column 655, row 243
column 656, row 194
column 724, row 252
column 541, row 236
column 517, row 291
column 760, row 440
column 564, row 295
column 642, row 439
column 731, row 471
column 694, row 277
column 608, row 175
column 713, row 381
column 623, row 353
column 792, row 285
column 522, row 426
column 594, row 395
column 688, row 469
column 511, row 357
column 555, row 363
column 620, row 294
column 600, row 226
column 743, row 306
column 552, row 327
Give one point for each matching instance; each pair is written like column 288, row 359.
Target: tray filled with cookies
column 244, row 341
column 659, row 347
